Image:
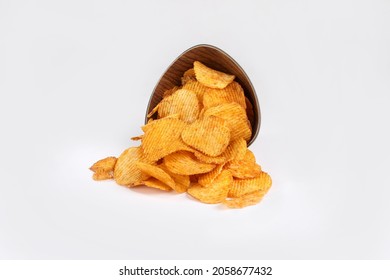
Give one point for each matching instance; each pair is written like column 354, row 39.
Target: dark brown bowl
column 214, row 58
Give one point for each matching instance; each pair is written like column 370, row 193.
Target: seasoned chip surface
column 235, row 117
column 210, row 135
column 216, row 192
column 210, row 77
column 183, row 102
column 185, row 163
column 162, row 137
column 126, row 172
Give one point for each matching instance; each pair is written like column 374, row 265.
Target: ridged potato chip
column 185, row 163
column 245, row 200
column 126, row 172
column 232, row 93
column 209, row 177
column 215, row 192
column 243, row 171
column 198, row 88
column 235, row 117
column 102, row 175
column 106, row 164
column 210, row 77
column 182, row 182
column 183, row 102
column 208, row 159
column 154, row 110
column 169, row 92
column 244, row 168
column 241, row 187
column 154, row 183
column 209, row 135
column 188, row 75
column 156, row 172
column 236, row 150
column 162, row 137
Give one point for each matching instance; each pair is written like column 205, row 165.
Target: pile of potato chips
column 196, row 142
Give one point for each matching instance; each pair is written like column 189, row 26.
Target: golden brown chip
column 215, row 192
column 169, row 92
column 248, row 199
column 209, row 177
column 232, row 93
column 154, row 110
column 185, row 163
column 244, row 168
column 104, row 168
column 182, row 182
column 236, row 150
column 241, row 187
column 210, row 77
column 209, row 135
column 154, row 183
column 126, row 172
column 243, row 171
column 157, row 173
column 208, row 159
column 106, row 164
column 183, row 102
column 198, row 88
column 235, row 117
column 188, row 75
column 162, row 137
column 102, row 175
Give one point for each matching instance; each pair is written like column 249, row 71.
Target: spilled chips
column 195, row 142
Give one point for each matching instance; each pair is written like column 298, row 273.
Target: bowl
column 214, row 58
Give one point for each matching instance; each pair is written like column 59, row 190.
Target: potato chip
column 215, row 192
column 183, row 102
column 208, row 159
column 188, row 75
column 102, row 175
column 154, row 110
column 248, row 199
column 182, row 182
column 126, row 172
column 236, row 150
column 232, row 93
column 210, row 77
column 198, row 88
column 235, row 117
column 244, row 168
column 243, row 171
column 185, row 163
column 106, row 164
column 209, row 177
column 169, row 92
column 209, row 135
column 241, row 187
column 154, row 183
column 156, row 172
column 162, row 137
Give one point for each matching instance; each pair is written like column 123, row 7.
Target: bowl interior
column 213, row 58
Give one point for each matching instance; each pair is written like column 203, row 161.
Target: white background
column 75, row 79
